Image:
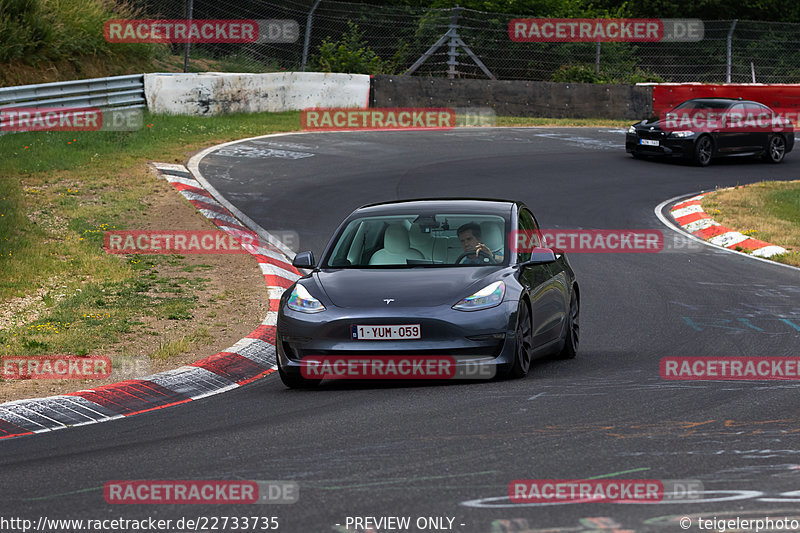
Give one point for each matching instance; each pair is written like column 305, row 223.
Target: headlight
column 682, row 133
column 487, row 297
column 632, row 129
column 301, row 300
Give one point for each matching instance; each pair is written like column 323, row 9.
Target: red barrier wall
column 783, row 96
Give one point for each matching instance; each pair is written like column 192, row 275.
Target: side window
column 736, row 116
column 762, row 114
column 527, row 225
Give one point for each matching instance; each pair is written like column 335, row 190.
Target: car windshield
column 421, row 240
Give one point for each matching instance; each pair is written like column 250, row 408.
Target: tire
column 523, row 347
column 572, row 331
column 296, row 381
column 703, row 150
column 636, row 156
column 776, row 149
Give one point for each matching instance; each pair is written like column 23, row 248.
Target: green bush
column 24, row 28
column 578, row 74
column 644, row 76
column 37, row 31
column 584, row 73
column 349, row 54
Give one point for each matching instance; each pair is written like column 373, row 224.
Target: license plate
column 385, row 333
column 648, row 142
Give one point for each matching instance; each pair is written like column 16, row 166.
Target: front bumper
column 668, row 146
column 485, row 337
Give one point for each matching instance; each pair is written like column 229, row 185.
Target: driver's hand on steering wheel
column 480, row 247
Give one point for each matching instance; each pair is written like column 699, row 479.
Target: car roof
column 715, row 98
column 722, row 99
column 466, row 205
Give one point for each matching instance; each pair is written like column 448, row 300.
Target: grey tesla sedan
column 464, row 279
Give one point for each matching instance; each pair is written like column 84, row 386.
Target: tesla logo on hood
column 388, row 300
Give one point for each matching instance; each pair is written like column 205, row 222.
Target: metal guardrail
column 118, row 92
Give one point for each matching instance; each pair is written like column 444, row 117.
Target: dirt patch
column 232, row 301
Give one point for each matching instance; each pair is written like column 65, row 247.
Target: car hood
column 408, row 287
column 653, row 122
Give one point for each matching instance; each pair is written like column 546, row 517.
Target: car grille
column 477, row 352
column 654, row 135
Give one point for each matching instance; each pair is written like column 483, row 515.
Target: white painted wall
column 214, row 93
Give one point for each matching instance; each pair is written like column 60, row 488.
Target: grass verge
column 563, row 122
column 767, row 210
column 61, row 293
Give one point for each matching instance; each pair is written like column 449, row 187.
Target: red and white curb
column 689, row 214
column 251, row 358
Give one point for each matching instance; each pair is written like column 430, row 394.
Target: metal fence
column 735, row 51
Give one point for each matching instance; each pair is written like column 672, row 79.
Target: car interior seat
column 492, row 236
column 396, row 247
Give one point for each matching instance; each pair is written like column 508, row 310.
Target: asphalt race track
column 452, row 450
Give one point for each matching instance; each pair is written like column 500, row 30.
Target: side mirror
column 540, row 256
column 303, row 260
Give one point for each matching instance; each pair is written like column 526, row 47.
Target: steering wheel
column 481, row 253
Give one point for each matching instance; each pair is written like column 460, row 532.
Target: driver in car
column 470, row 237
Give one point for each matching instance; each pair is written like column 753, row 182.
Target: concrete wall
column 214, row 93
column 516, row 98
